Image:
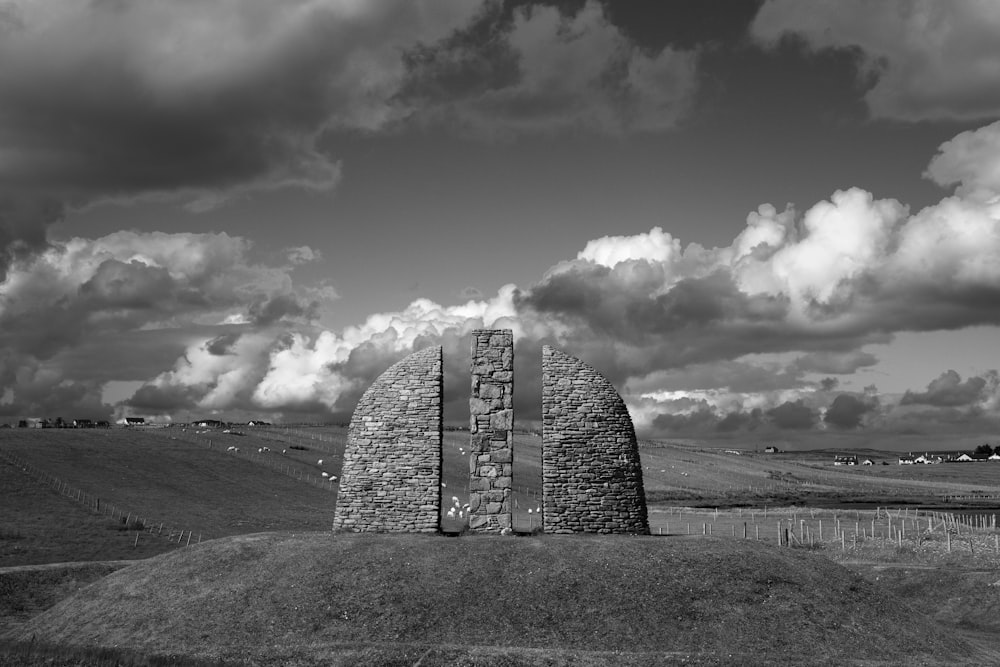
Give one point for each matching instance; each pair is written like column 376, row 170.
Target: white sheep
column 455, row 500
column 326, row 474
column 284, row 451
column 333, row 478
column 230, row 449
column 260, row 450
column 320, row 462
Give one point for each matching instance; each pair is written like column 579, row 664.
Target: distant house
column 210, row 423
column 131, row 421
column 771, row 450
column 83, row 423
column 963, row 458
column 257, row 422
column 995, row 456
column 867, row 462
column 927, row 459
column 907, row 460
column 845, row 461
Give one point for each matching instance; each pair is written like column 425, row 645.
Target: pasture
column 706, row 504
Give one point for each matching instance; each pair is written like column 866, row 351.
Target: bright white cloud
column 842, row 240
column 804, row 293
column 655, row 246
column 930, row 60
column 972, row 160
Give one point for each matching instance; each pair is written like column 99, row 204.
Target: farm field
column 188, row 479
column 162, row 478
column 40, row 525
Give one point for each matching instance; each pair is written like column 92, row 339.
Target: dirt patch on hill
column 280, row 598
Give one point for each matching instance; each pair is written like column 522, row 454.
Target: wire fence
column 143, row 525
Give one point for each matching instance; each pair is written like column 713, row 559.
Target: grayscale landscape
column 499, row 332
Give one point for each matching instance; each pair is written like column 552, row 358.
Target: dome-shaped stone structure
column 591, row 474
column 391, row 479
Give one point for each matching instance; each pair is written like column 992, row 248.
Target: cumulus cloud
column 692, row 336
column 122, row 307
column 948, row 390
column 542, row 68
column 922, row 60
column 971, row 160
column 303, row 255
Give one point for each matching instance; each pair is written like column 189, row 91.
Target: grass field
column 281, row 599
column 701, row 498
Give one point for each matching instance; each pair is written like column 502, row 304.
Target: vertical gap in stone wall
column 527, row 468
column 440, row 440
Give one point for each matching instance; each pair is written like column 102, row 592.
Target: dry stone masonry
column 391, row 479
column 491, row 424
column 591, row 475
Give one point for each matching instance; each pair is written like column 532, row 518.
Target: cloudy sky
column 758, row 219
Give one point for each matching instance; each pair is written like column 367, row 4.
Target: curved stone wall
column 391, row 479
column 591, row 474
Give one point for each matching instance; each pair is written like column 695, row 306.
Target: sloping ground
column 28, row 589
column 316, row 598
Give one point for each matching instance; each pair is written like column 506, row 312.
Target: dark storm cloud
column 532, row 68
column 694, row 320
column 162, row 400
column 828, row 361
column 190, row 102
column 222, row 344
column 737, row 421
column 846, row 411
column 272, row 309
column 917, row 61
column 948, row 390
column 24, row 218
column 626, row 305
column 829, row 384
column 698, row 421
column 793, row 415
column 118, row 99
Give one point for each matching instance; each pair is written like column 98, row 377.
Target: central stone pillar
column 491, row 424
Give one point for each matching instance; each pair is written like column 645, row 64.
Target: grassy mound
column 315, row 598
column 26, row 591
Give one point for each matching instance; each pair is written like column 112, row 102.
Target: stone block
column 502, row 419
